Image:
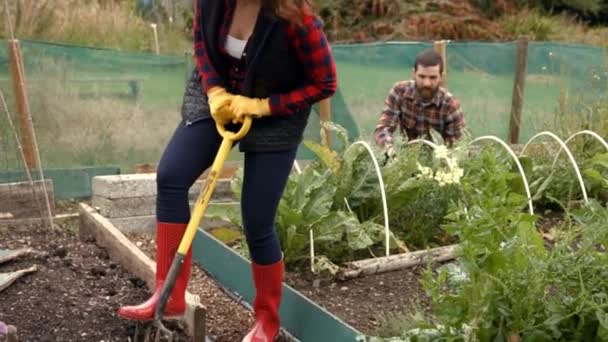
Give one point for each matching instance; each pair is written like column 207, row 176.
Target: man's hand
column 242, row 105
column 389, row 152
column 219, row 105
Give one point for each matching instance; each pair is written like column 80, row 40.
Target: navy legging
column 191, row 151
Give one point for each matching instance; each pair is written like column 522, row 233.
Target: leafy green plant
column 559, row 184
column 501, row 256
column 306, row 206
column 418, row 185
column 418, row 197
column 338, row 198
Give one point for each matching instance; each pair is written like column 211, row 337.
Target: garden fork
column 228, row 139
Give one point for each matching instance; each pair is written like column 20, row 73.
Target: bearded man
column 421, row 104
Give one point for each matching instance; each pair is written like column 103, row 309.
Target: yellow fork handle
column 200, row 207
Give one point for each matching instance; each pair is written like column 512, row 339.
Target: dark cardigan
column 272, row 67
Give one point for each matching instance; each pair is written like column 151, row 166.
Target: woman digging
column 265, row 58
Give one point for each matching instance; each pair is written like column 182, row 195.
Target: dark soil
column 550, row 220
column 75, row 292
column 366, row 302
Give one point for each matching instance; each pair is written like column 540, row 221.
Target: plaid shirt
column 406, row 110
column 311, row 47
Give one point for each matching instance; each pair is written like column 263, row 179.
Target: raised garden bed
column 77, row 288
column 224, row 318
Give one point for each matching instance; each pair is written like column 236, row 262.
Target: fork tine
column 148, row 333
column 136, row 333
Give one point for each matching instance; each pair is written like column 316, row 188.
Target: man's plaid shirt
column 404, row 109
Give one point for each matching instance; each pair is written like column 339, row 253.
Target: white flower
column 452, row 163
column 426, row 172
column 468, row 332
column 453, row 176
column 441, row 152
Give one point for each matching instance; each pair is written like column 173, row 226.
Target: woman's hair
column 291, row 10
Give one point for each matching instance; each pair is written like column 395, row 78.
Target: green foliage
column 558, row 184
column 112, row 24
column 417, row 205
column 583, row 6
column 508, row 284
column 534, row 24
column 501, row 252
column 338, row 197
column 307, row 205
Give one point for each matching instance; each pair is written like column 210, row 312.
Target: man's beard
column 426, row 93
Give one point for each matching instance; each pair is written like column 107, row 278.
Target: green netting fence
column 93, row 107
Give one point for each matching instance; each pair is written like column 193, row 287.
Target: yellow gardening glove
column 219, row 101
column 242, row 105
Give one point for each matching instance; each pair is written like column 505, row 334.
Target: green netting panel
column 100, row 107
column 563, row 85
column 104, row 107
column 10, row 158
column 341, row 115
column 95, row 107
column 479, row 74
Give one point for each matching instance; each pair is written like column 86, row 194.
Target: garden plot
column 492, row 210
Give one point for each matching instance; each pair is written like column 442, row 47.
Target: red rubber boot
column 268, row 280
column 168, row 237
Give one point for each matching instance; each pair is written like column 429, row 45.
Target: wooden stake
column 27, row 139
column 518, row 90
column 396, row 262
column 26, row 133
column 440, row 47
column 156, row 47
column 325, row 114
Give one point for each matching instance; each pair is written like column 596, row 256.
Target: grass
column 542, row 27
column 98, row 23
